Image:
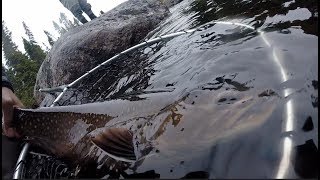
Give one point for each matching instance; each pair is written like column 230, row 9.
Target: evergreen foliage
column 76, row 22
column 50, row 38
column 8, row 46
column 65, row 24
column 34, row 52
column 65, row 21
column 28, row 32
column 22, row 68
column 58, row 28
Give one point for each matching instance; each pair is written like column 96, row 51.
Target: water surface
column 224, row 102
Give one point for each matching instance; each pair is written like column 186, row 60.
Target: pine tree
column 50, row 37
column 34, row 51
column 25, row 79
column 76, row 22
column 65, row 21
column 47, row 49
column 65, row 24
column 8, row 46
column 32, row 48
column 28, row 33
column 58, row 28
column 22, row 67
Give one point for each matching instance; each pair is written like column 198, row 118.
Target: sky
column 39, row 14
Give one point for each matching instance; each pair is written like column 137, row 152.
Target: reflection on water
column 269, row 15
column 218, row 99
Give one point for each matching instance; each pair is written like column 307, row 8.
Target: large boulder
column 86, row 46
column 170, row 3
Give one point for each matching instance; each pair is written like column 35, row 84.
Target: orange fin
column 117, row 143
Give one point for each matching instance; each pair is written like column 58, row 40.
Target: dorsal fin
column 117, row 143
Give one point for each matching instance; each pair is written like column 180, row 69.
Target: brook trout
column 129, row 131
column 70, row 135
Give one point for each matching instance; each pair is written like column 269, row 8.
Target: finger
column 8, row 131
column 16, row 134
column 4, row 131
column 11, row 132
column 17, row 102
column 7, row 110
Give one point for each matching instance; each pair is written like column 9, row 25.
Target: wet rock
column 267, row 92
column 315, row 84
column 308, row 125
column 220, row 79
column 236, row 85
column 226, row 100
column 148, row 174
column 85, row 46
column 170, row 3
column 314, row 101
column 169, row 84
column 305, row 160
column 196, row 174
column 222, row 100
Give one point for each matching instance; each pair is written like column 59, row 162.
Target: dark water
column 224, row 102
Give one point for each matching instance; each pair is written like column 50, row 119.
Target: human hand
column 9, row 101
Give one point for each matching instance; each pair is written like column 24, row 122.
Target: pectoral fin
column 117, row 143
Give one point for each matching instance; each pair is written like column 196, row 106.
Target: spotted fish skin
column 58, row 132
column 157, row 124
